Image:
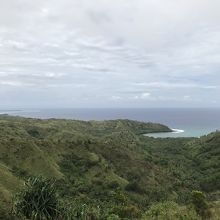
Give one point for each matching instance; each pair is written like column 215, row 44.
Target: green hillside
column 108, row 164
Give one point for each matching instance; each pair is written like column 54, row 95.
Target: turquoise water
column 191, row 122
column 189, row 132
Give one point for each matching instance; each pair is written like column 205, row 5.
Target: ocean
column 185, row 122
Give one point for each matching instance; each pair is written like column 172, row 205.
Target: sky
column 109, row 53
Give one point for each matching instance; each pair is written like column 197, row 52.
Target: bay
column 189, row 122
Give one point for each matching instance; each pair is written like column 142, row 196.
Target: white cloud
column 142, row 96
column 175, row 85
column 186, row 97
column 14, row 83
column 116, row 98
column 117, row 49
column 145, row 95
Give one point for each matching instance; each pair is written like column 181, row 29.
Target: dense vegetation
column 108, row 170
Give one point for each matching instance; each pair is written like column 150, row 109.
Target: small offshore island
column 109, row 166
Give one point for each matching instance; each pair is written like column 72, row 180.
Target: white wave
column 177, row 131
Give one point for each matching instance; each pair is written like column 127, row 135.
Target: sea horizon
column 188, row 122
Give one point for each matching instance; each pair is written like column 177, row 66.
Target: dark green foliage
column 113, row 185
column 134, row 186
column 211, row 182
column 34, row 132
column 129, row 212
column 200, row 204
column 38, row 200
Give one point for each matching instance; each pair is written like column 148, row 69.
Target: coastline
column 177, row 131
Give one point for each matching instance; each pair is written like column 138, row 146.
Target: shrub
column 113, row 217
column 38, row 200
column 169, row 211
column 134, row 187
column 130, row 211
column 200, row 204
column 80, row 211
column 113, row 185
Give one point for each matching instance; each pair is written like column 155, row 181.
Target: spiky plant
column 38, row 200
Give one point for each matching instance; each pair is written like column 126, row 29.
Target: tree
column 200, row 204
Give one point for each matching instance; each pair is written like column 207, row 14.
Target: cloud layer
column 101, row 53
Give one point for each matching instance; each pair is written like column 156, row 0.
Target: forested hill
column 107, row 164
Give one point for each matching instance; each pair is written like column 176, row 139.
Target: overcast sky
column 109, row 53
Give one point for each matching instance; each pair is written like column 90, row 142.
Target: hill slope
column 107, row 163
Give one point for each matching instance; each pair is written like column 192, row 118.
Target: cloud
column 175, row 85
column 145, row 95
column 116, row 98
column 94, row 53
column 13, row 83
